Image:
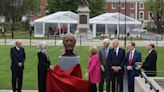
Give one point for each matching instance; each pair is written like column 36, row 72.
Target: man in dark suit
column 133, row 65
column 103, row 54
column 116, row 60
column 150, row 62
column 17, row 55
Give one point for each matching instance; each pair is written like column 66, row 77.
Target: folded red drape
column 66, row 81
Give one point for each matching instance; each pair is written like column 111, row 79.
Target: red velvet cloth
column 66, row 81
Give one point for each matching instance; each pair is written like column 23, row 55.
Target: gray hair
column 41, row 46
column 115, row 40
column 106, row 40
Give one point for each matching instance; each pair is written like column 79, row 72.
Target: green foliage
column 96, row 6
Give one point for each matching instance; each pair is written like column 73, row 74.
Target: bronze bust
column 69, row 42
column 84, row 3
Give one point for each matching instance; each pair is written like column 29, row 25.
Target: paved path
column 35, row 42
column 22, row 91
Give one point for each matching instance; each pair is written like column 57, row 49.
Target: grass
column 30, row 71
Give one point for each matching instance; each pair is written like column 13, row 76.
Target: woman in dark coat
column 43, row 66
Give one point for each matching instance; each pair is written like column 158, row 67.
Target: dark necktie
column 115, row 51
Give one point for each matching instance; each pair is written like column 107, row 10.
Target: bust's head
column 69, row 42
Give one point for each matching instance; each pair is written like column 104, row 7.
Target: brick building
column 41, row 12
column 134, row 8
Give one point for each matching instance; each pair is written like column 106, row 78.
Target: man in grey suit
column 103, row 54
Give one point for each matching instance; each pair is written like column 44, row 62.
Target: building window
column 141, row 5
column 113, row 5
column 122, row 5
column 141, row 15
column 132, row 5
column 132, row 15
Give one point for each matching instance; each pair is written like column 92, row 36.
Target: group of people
column 18, row 56
column 108, row 64
column 111, row 63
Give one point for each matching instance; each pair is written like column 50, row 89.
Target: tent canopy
column 113, row 18
column 59, row 17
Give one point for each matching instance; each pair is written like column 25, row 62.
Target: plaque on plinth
column 67, row 62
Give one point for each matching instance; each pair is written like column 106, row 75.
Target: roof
column 59, row 17
column 113, row 18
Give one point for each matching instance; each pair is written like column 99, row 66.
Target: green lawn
column 30, row 72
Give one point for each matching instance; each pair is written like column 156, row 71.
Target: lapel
column 134, row 56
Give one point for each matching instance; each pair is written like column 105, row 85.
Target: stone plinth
column 66, row 62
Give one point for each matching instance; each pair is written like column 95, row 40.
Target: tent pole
column 68, row 26
column 106, row 29
column 59, row 27
column 94, row 30
column 43, row 29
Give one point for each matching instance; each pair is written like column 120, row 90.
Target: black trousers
column 117, row 82
column 17, row 76
column 104, row 77
column 93, row 87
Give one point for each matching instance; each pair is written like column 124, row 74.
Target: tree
column 96, row 6
column 157, row 15
column 13, row 10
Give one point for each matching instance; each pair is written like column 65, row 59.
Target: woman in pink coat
column 93, row 69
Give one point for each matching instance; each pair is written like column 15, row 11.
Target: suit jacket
column 103, row 58
column 136, row 58
column 116, row 60
column 17, row 57
column 150, row 63
column 94, row 71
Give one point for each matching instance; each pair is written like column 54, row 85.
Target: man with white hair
column 116, row 66
column 103, row 54
column 18, row 56
column 151, row 60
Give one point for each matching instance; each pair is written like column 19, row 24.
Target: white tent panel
column 61, row 17
column 113, row 23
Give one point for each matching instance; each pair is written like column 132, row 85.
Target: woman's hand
column 86, row 75
column 51, row 67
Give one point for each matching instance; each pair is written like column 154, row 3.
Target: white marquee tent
column 107, row 23
column 113, row 23
column 59, row 18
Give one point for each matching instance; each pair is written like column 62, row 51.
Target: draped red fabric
column 66, row 81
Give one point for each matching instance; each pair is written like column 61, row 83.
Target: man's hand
column 129, row 68
column 138, row 67
column 20, row 64
column 102, row 68
column 116, row 68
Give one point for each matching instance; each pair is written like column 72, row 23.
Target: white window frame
column 113, row 5
column 122, row 6
column 140, row 5
column 140, row 15
column 132, row 3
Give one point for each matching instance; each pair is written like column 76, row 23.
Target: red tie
column 130, row 59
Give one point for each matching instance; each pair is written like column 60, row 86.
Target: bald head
column 69, row 41
column 150, row 45
column 18, row 43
